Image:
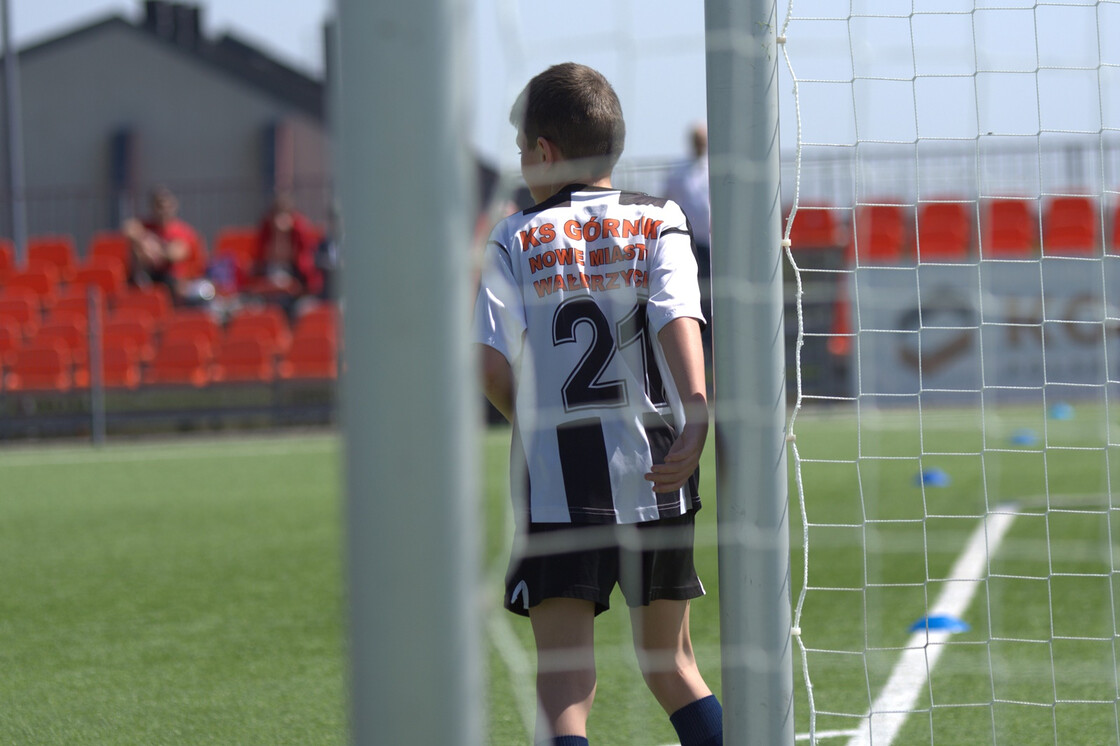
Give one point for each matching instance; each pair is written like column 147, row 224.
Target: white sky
column 952, row 69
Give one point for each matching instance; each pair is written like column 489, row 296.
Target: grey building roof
column 177, row 26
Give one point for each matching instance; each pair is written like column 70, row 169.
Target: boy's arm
column 497, row 380
column 680, row 339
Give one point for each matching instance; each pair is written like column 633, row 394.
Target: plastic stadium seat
column 880, row 234
column 11, row 339
column 67, row 331
column 73, row 303
column 7, row 259
column 320, row 320
column 238, row 243
column 815, row 227
column 21, row 306
column 104, row 272
column 52, row 250
column 42, row 280
column 944, row 231
column 1008, row 228
column 110, row 245
column 40, row 367
column 188, row 323
column 180, row 361
column 244, row 359
column 1115, row 234
column 135, row 331
column 120, row 363
column 153, row 302
column 73, row 338
column 1071, row 225
column 268, row 324
column 310, row 357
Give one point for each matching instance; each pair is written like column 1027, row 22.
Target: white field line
column 910, row 674
column 821, row 734
column 170, row 449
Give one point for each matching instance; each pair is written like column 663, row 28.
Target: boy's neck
column 603, row 182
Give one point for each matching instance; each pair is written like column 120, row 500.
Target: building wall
column 195, row 128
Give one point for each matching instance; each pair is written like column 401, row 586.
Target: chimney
column 159, row 18
column 188, row 25
column 180, row 23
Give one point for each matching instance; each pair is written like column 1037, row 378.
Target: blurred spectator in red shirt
column 283, row 268
column 165, row 249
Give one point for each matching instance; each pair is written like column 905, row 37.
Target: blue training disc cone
column 940, row 623
column 1061, row 411
column 932, row 478
column 1024, row 437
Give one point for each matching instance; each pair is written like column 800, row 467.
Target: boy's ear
column 549, row 152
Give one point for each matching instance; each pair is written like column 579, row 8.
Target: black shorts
column 649, row 561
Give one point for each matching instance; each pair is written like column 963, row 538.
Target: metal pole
column 409, row 398
column 748, row 341
column 14, row 118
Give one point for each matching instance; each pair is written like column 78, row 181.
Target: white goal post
column 749, row 360
column 408, row 399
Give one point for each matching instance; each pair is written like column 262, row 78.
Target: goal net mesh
column 950, row 185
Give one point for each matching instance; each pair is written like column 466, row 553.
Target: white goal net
column 950, row 192
column 954, row 229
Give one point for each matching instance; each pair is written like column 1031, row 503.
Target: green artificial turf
column 184, row 592
column 189, row 591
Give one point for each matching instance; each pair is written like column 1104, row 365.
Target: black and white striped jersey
column 574, row 292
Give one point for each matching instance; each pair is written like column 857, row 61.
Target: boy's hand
column 681, row 460
column 684, row 352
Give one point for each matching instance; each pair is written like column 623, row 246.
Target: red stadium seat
column 120, row 363
column 135, row 331
column 105, row 273
column 311, row 357
column 944, row 231
column 40, row 367
column 1116, row 229
column 880, row 234
column 319, row 320
column 54, row 251
column 71, row 337
column 110, row 245
column 73, row 304
column 1008, row 228
column 42, row 280
column 269, row 324
column 1071, row 226
column 815, row 227
column 244, row 360
column 7, row 259
column 22, row 306
column 238, row 243
column 180, row 361
column 11, row 339
column 196, row 323
column 152, row 302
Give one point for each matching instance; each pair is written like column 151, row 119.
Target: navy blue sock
column 699, row 723
column 566, row 741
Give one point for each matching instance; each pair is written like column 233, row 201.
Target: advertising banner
column 1004, row 329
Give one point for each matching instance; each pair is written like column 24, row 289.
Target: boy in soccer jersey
column 589, row 320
